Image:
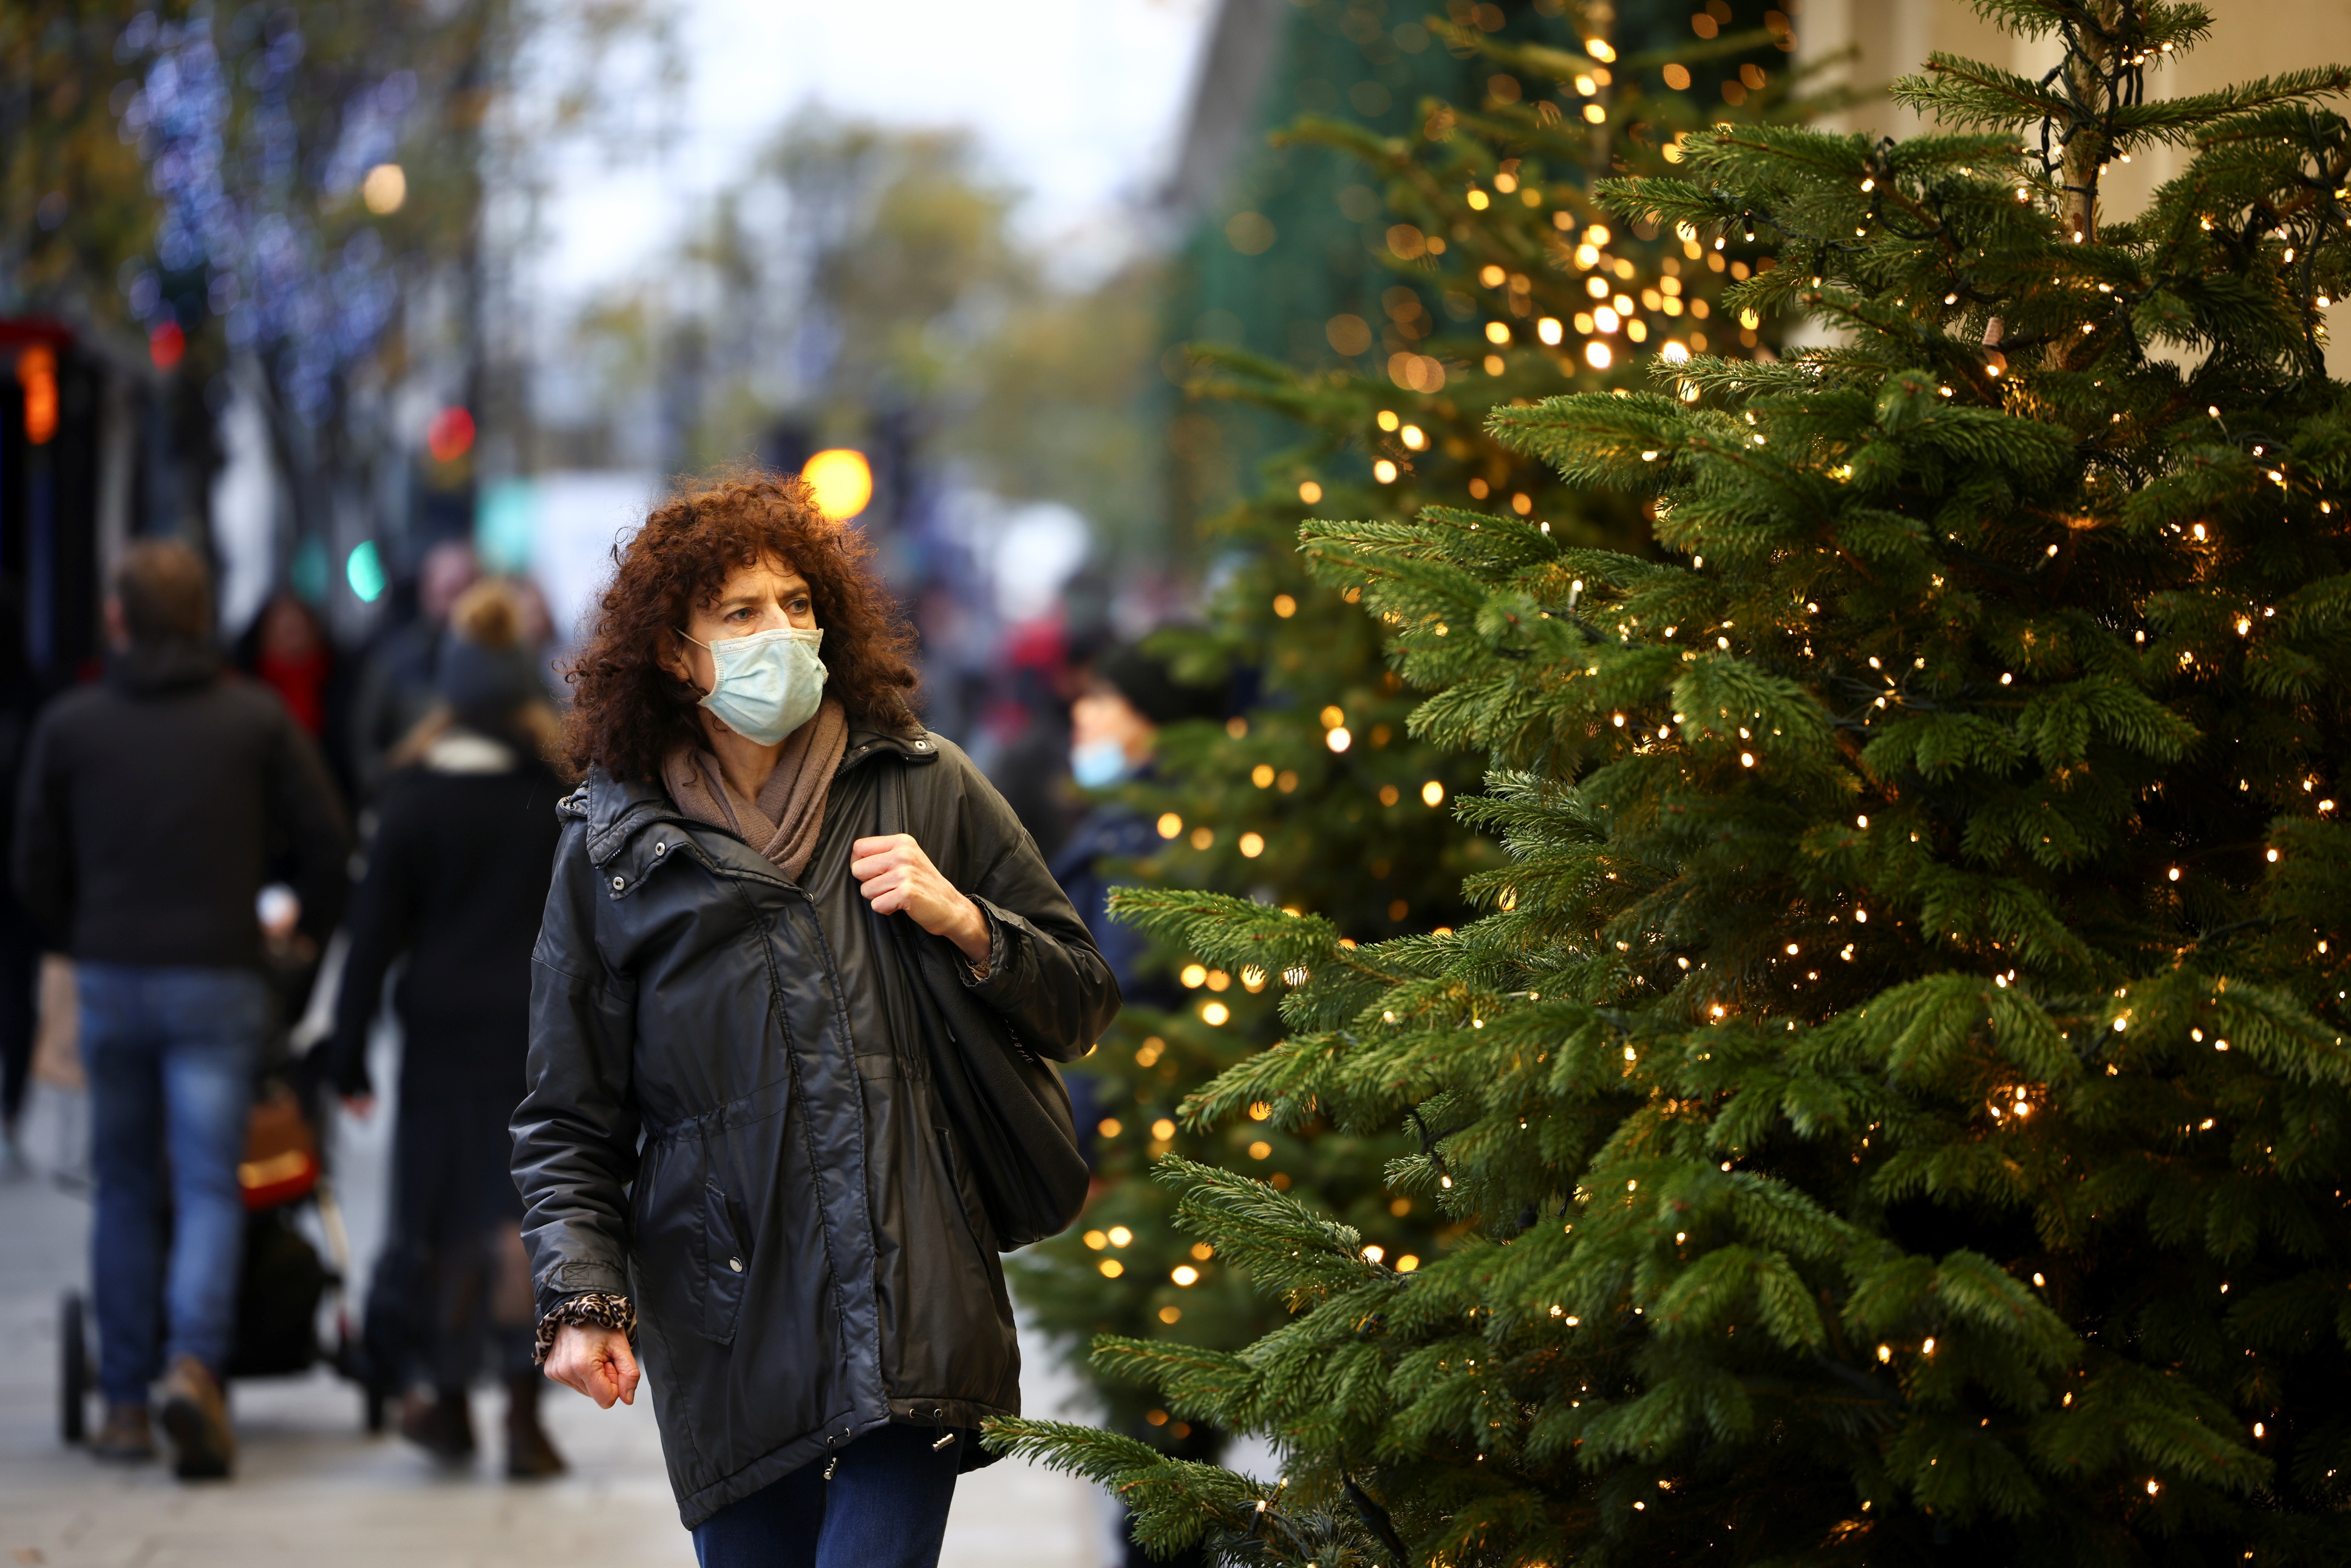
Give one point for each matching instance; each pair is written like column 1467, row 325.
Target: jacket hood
column 616, row 809
column 153, row 669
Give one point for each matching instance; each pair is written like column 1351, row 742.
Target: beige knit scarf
column 783, row 822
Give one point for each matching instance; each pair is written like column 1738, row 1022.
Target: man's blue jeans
column 171, row 1054
column 886, row 1507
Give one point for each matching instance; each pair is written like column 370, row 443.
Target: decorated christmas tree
column 1894, row 1095
column 1314, row 797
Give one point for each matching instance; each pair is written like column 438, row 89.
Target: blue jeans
column 886, row 1507
column 172, row 1053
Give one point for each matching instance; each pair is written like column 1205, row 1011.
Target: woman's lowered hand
column 596, row 1361
column 896, row 875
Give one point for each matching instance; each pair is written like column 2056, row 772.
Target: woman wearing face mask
column 1114, row 728
column 797, row 1247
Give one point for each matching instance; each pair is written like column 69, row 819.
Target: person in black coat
column 785, row 919
column 456, row 878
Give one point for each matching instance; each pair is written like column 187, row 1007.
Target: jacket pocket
column 959, row 1191
column 728, row 1265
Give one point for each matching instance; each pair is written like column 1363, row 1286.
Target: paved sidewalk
column 313, row 1488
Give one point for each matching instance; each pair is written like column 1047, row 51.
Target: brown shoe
column 196, row 1416
column 441, row 1423
column 125, row 1435
column 531, row 1457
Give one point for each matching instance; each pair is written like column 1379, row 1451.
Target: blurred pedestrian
column 731, row 1109
column 1123, row 700
column 1030, row 762
column 20, row 934
column 155, row 806
column 287, row 650
column 397, row 683
column 456, row 876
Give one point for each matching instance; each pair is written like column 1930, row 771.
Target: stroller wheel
column 73, row 1369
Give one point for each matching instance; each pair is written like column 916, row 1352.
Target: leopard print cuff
column 594, row 1309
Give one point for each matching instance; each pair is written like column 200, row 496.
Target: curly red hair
column 628, row 713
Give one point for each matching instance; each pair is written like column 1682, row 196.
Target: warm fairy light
column 1308, row 491
column 1111, row 1268
column 1433, row 794
column 1183, row 1274
column 1414, row 437
column 1338, row 739
column 1252, row 845
column 1194, row 976
column 1170, row 825
column 1284, row 606
column 1214, row 1014
column 1596, row 355
column 1550, row 330
column 1384, row 471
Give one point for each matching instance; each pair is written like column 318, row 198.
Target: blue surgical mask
column 768, row 684
column 1098, row 764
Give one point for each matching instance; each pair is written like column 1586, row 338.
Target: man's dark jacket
column 155, row 805
column 800, row 1231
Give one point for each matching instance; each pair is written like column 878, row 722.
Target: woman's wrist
column 971, row 936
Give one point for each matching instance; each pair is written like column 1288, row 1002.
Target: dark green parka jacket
column 730, row 1117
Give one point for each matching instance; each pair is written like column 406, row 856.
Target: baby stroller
column 285, row 1280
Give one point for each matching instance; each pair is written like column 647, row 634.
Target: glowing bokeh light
column 385, row 189
column 842, row 480
column 36, row 372
column 450, row 435
column 364, row 572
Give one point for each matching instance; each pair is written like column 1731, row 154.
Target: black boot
column 441, row 1423
column 531, row 1457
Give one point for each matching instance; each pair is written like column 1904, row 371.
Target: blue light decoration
column 364, row 572
column 239, row 236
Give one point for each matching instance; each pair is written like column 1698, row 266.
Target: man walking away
column 153, row 807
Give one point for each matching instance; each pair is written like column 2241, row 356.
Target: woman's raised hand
column 596, row 1361
column 894, row 875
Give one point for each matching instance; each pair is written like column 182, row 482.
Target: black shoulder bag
column 1006, row 1105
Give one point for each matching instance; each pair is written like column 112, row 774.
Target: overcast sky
column 1076, row 102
